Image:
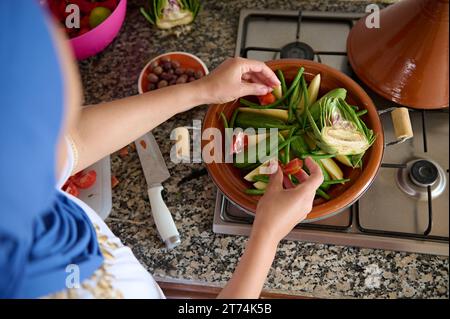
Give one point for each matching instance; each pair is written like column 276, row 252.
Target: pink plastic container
column 99, row 38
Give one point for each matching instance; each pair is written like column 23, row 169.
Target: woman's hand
column 279, row 210
column 237, row 77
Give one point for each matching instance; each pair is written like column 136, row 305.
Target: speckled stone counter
column 204, row 257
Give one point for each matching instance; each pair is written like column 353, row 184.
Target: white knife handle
column 163, row 218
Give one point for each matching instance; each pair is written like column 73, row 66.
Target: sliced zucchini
column 332, row 168
column 260, row 185
column 276, row 113
column 256, row 171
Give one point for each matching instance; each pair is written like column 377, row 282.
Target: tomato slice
column 114, row 181
column 84, row 180
column 293, row 167
column 70, row 188
column 269, row 98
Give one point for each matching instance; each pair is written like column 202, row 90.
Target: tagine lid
column 406, row 59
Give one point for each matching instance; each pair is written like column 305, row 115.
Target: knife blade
column 156, row 172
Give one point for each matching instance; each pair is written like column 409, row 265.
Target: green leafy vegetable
column 166, row 14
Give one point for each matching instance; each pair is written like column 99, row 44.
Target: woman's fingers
column 254, row 89
column 315, row 178
column 275, row 181
column 253, row 66
column 302, row 176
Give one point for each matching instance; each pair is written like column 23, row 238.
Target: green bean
column 233, row 117
column 336, row 181
column 322, row 194
column 254, row 191
column 317, row 156
column 282, row 80
column 261, row 178
column 224, row 120
column 282, row 158
column 292, row 103
column 278, row 102
column 305, row 96
column 361, row 113
column 288, row 146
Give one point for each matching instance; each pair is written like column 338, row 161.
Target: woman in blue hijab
column 52, row 244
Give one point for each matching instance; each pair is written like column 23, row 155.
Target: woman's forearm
column 250, row 274
column 105, row 128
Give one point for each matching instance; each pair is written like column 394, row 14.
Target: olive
column 166, row 76
column 162, row 83
column 165, row 59
column 170, row 71
column 154, row 64
column 175, row 64
column 179, row 71
column 151, row 86
column 191, row 78
column 167, row 66
column 198, row 74
column 152, row 77
column 158, row 70
column 182, row 79
column 173, row 81
column 190, row 72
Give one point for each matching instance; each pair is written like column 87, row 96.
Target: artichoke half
column 337, row 129
column 166, row 14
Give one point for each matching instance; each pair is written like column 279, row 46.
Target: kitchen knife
column 156, row 172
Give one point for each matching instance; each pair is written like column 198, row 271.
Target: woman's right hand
column 279, row 210
column 237, row 77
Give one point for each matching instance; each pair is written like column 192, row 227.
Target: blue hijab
column 42, row 231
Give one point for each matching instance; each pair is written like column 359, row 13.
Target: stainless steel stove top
column 394, row 214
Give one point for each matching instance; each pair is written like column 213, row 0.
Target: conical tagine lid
column 406, row 58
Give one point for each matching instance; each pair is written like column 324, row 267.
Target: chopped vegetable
column 276, row 113
column 338, row 129
column 84, row 180
column 293, row 166
column 71, row 189
column 166, row 14
column 114, row 181
column 246, row 120
column 309, row 125
column 260, row 185
column 267, row 99
column 278, row 102
column 332, row 168
column 252, row 191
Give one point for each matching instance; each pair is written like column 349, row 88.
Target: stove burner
column 423, row 173
column 297, row 50
column 418, row 175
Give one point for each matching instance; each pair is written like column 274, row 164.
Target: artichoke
column 166, row 14
column 337, row 129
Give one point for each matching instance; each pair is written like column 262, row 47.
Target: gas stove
column 407, row 206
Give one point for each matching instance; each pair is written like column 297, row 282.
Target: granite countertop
column 204, row 257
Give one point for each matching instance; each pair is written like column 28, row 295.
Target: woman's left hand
column 237, row 77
